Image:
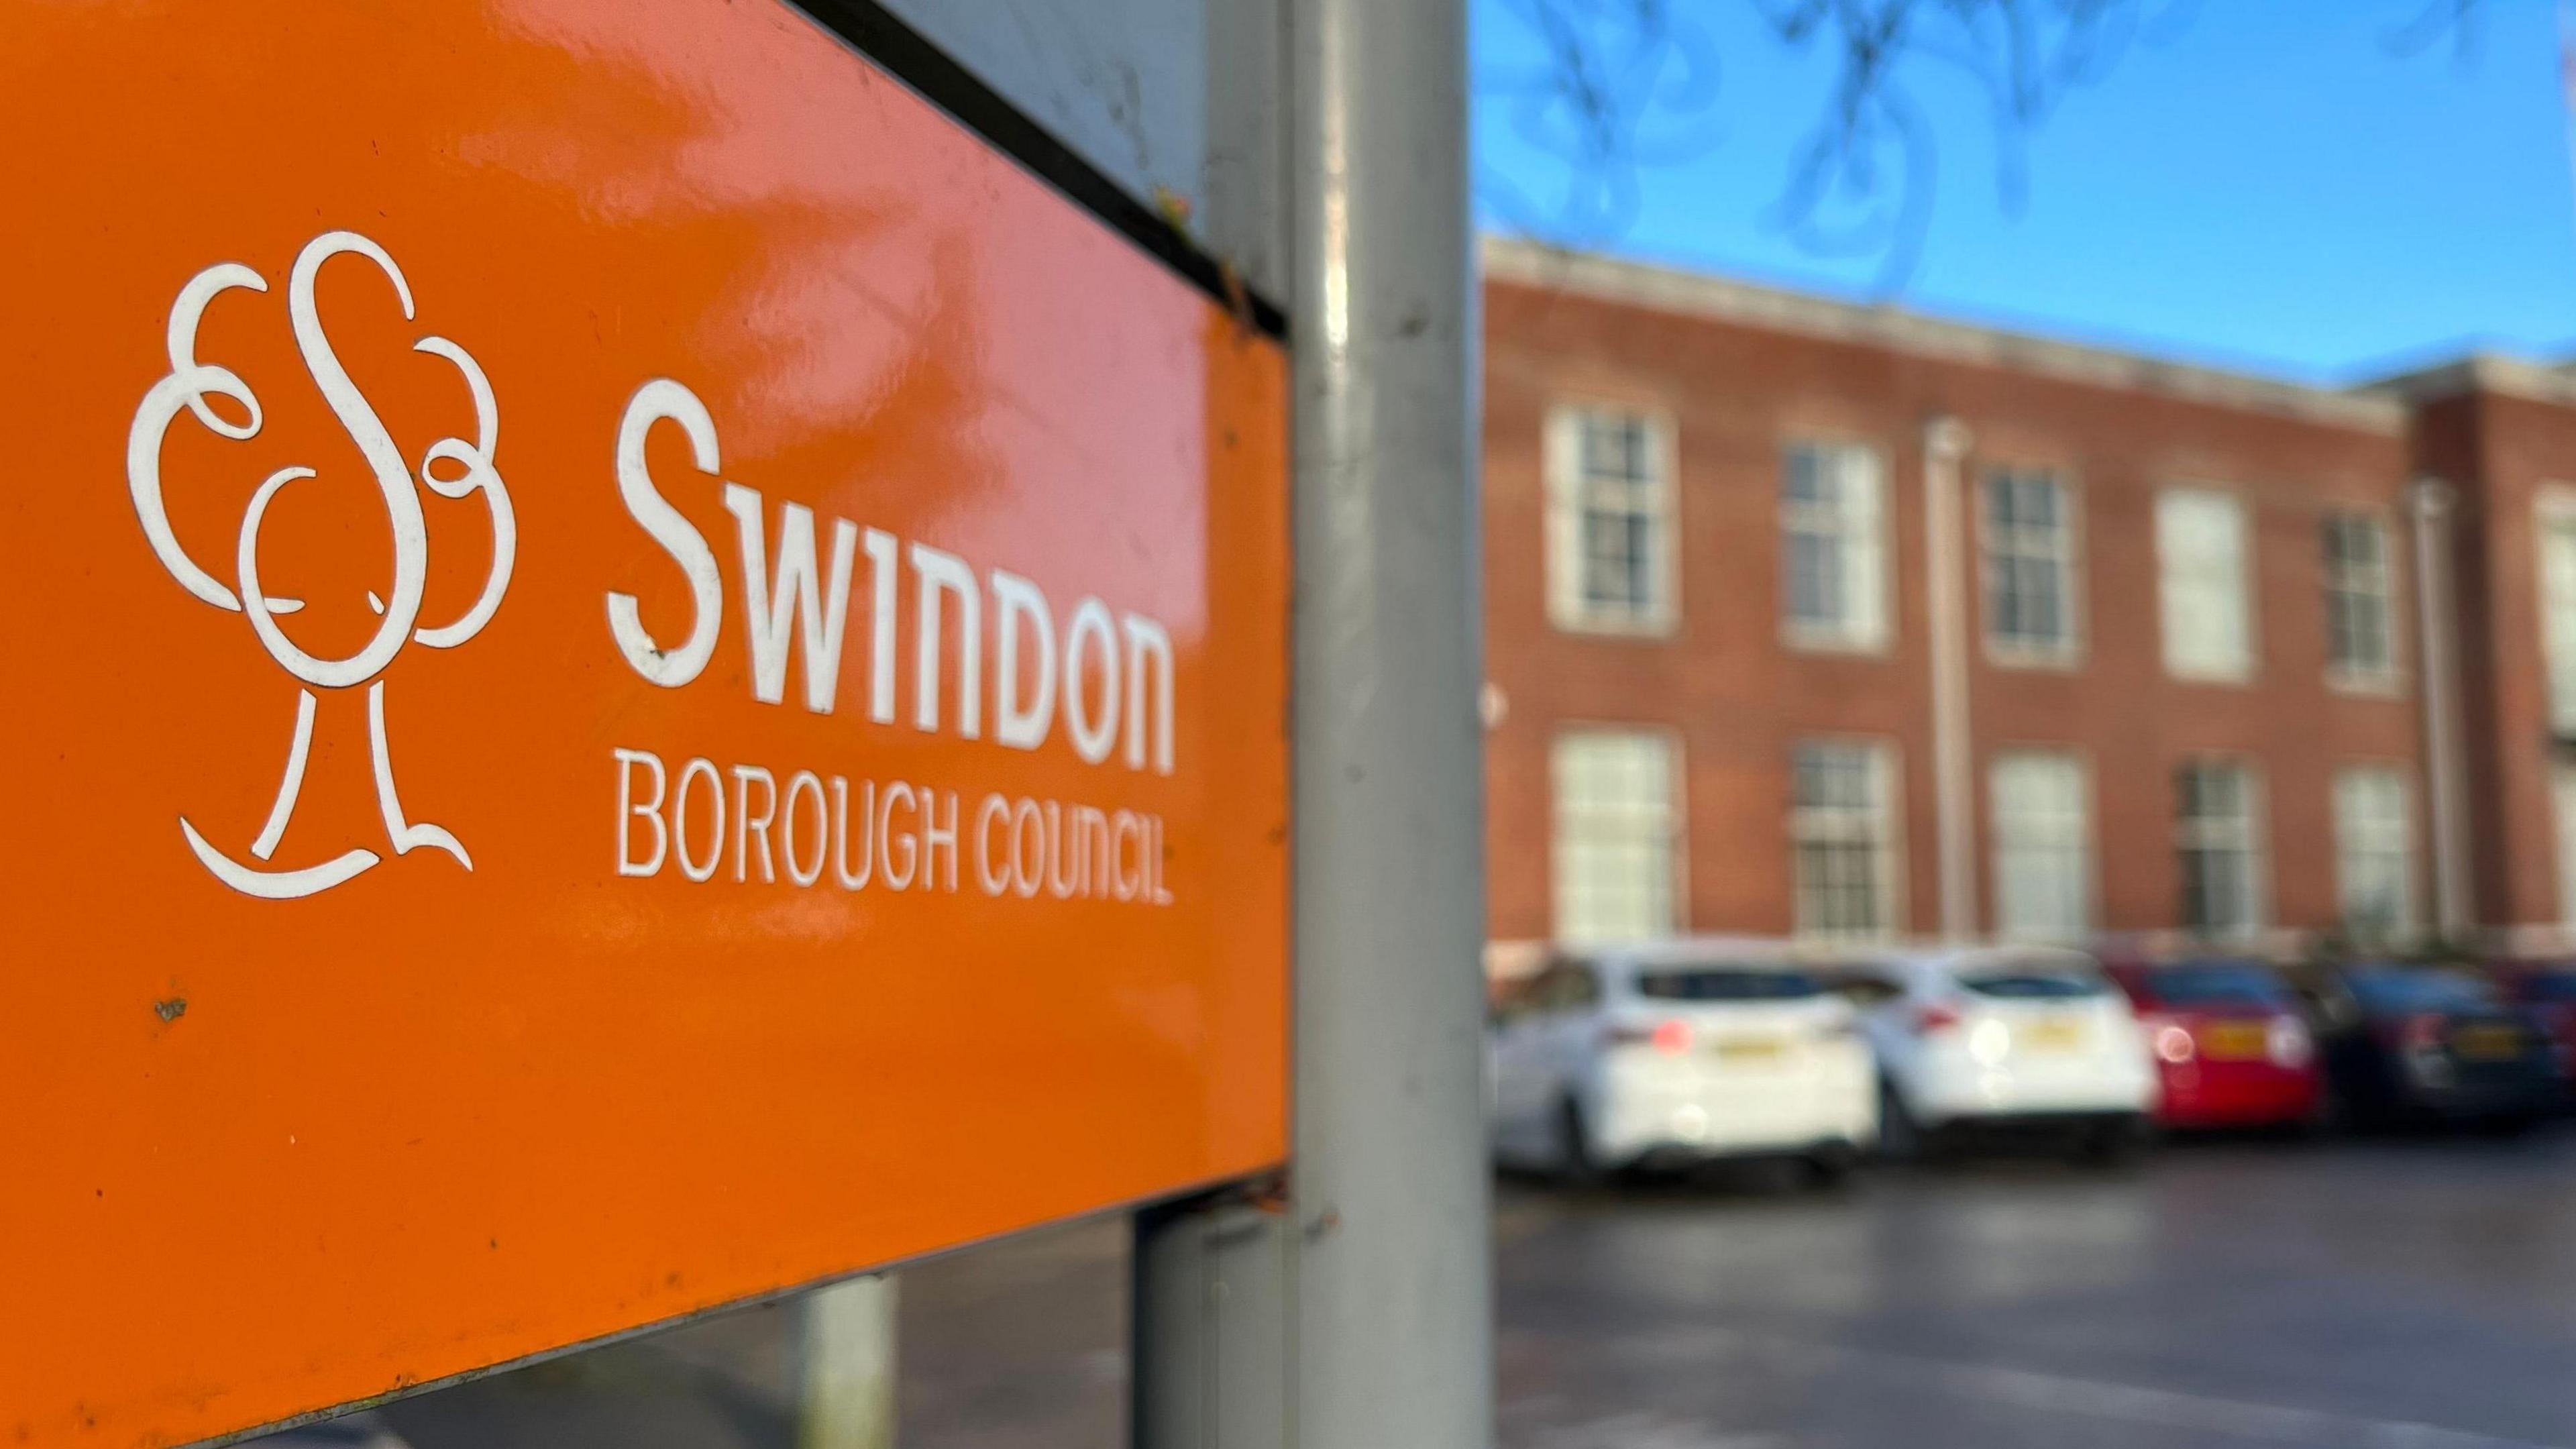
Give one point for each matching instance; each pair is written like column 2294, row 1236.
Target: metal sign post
column 1390, row 1185
column 1361, row 1316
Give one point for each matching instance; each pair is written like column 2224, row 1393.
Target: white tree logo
column 188, row 387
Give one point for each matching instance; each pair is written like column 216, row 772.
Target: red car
column 2230, row 1041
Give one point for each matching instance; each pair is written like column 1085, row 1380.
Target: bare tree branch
column 1624, row 85
column 2456, row 19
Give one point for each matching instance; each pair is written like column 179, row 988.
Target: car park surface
column 2230, row 1293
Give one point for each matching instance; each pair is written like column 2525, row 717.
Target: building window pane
column 2558, row 609
column 1833, row 549
column 2030, row 565
column 2220, row 845
column 2374, row 852
column 1614, row 828
column 2361, row 635
column 1609, row 520
column 2201, row 557
column 1842, row 839
column 2043, row 846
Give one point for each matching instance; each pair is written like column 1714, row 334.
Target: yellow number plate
column 2053, row 1036
column 2487, row 1043
column 2234, row 1041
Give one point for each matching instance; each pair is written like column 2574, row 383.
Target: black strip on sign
column 918, row 63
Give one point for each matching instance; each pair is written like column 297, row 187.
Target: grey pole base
column 1211, row 1333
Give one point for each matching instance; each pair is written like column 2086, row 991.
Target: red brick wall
column 1737, row 697
column 2497, row 451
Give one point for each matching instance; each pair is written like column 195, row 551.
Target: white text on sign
column 1039, row 670
column 892, row 835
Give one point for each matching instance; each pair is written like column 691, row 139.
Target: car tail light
column 2174, row 1044
column 2421, row 1032
column 2287, row 1042
column 1669, row 1036
column 1935, row 1017
column 2419, row 1039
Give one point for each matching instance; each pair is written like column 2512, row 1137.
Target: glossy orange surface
column 479, row 1094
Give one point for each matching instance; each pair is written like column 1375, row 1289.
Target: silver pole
column 2431, row 500
column 1945, row 444
column 1390, row 1189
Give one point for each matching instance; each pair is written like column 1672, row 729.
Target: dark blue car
column 2417, row 1044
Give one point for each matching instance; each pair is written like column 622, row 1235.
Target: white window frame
column 2082, row 845
column 2177, row 569
column 1563, row 879
column 1570, row 491
column 2554, row 594
column 1841, row 825
column 2378, row 840
column 1862, row 533
column 2388, row 676
column 2562, row 790
column 2189, row 834
column 2068, row 652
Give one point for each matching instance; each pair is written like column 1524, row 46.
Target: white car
column 2004, row 1038
column 1668, row 1054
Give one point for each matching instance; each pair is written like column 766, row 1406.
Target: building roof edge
column 2380, row 408
column 2478, row 372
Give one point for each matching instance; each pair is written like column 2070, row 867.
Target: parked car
column 2547, row 989
column 2417, row 1044
column 2000, row 1039
column 1669, row 1054
column 2231, row 1044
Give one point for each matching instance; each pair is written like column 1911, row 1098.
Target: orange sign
column 638, row 673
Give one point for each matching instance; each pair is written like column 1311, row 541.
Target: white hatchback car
column 1667, row 1054
column 2007, row 1038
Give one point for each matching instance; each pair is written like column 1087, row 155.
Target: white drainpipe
column 1945, row 443
column 2430, row 502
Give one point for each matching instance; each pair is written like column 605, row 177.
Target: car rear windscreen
column 2033, row 983
column 2217, row 983
column 2393, row 991
column 1703, row 984
column 2551, row 986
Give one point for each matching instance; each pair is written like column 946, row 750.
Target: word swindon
column 1039, row 670
column 893, row 835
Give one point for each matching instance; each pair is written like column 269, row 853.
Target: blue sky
column 2271, row 185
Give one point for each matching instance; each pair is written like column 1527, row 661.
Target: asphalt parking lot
column 2413, row 1292
column 2399, row 1294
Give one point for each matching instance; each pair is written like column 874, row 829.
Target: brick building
column 1805, row 617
